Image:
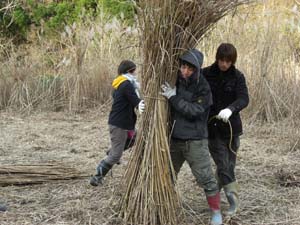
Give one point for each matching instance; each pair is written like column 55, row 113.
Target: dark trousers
column 225, row 159
column 196, row 153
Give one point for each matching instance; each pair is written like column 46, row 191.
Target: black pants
column 224, row 158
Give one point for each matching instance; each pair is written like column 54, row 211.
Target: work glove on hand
column 141, row 106
column 168, row 91
column 224, row 115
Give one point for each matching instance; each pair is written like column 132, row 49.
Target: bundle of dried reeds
column 168, row 28
column 36, row 174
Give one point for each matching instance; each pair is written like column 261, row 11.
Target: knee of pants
column 206, row 178
column 210, row 186
column 224, row 169
column 225, row 176
column 113, row 158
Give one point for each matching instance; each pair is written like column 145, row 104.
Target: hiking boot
column 96, row 180
column 102, row 170
column 119, row 162
column 231, row 193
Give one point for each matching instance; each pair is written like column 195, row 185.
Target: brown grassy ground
column 267, row 154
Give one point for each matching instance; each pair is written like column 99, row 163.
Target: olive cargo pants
column 196, row 153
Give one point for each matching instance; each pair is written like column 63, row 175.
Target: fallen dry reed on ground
column 36, row 174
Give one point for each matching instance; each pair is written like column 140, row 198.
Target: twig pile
column 168, row 28
column 36, row 174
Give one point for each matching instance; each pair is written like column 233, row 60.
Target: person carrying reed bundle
column 230, row 96
column 122, row 117
column 190, row 100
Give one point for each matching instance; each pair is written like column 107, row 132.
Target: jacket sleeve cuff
column 232, row 109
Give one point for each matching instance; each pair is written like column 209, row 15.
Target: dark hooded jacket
column 125, row 100
column 190, row 106
column 230, row 91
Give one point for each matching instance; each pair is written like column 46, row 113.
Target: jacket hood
column 118, row 81
column 194, row 57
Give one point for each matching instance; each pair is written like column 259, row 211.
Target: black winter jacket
column 125, row 100
column 190, row 105
column 230, row 91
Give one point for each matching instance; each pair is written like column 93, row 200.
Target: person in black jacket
column 190, row 100
column 230, row 96
column 122, row 117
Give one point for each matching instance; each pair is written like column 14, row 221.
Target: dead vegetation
column 52, row 77
column 79, row 141
column 36, row 174
column 289, row 178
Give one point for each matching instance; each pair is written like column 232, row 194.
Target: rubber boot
column 102, row 170
column 214, row 205
column 231, row 192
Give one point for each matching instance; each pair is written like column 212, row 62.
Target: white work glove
column 224, row 115
column 141, row 106
column 168, row 91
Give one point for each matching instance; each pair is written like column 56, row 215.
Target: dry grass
column 268, row 163
column 73, row 72
column 267, row 54
column 80, row 141
column 9, row 5
column 36, row 174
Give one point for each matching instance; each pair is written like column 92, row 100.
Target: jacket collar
column 216, row 71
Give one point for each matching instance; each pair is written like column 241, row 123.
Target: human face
column 224, row 65
column 186, row 71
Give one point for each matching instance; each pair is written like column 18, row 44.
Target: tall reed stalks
column 168, row 28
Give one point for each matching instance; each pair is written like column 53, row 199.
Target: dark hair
column 226, row 51
column 132, row 70
column 183, row 62
column 126, row 66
